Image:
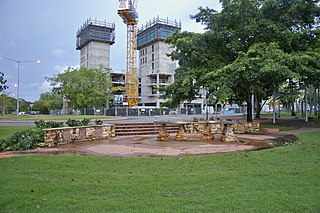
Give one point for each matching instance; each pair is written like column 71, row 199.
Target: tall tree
column 232, row 32
column 261, row 70
column 3, row 82
column 84, row 88
column 48, row 101
column 7, row 103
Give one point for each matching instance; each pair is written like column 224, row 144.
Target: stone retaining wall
column 55, row 136
column 217, row 128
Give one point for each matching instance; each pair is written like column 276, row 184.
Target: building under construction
column 94, row 39
column 156, row 69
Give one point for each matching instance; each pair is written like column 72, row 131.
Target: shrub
column 3, row 145
column 286, row 141
column 98, row 122
column 49, row 124
column 72, row 122
column 84, row 122
column 40, row 123
column 24, row 140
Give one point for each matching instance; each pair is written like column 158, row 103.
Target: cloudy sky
column 46, row 30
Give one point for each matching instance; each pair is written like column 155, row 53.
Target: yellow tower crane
column 127, row 11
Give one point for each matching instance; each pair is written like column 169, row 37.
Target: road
column 7, row 122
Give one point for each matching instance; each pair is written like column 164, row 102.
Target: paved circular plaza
column 144, row 146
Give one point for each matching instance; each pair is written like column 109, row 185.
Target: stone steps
column 125, row 129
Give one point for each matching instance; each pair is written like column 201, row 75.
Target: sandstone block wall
column 217, row 128
column 55, row 136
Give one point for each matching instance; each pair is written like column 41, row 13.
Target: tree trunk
column 273, row 108
column 258, row 106
column 249, row 110
column 310, row 101
column 315, row 100
column 306, row 104
column 302, row 108
column 293, row 113
column 318, row 103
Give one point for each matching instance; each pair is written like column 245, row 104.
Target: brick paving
column 131, row 150
column 136, row 146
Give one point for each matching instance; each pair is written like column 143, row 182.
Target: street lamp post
column 18, row 80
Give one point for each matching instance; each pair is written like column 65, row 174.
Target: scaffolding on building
column 155, row 30
column 94, row 30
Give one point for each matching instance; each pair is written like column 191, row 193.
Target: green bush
column 23, row 140
column 72, row 122
column 49, row 124
column 84, row 122
column 98, row 122
column 286, row 141
column 3, row 144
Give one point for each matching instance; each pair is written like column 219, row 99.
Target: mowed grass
column 280, row 127
column 282, row 179
column 7, row 131
column 52, row 118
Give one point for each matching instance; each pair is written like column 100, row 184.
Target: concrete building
column 94, row 39
column 118, row 79
column 156, row 69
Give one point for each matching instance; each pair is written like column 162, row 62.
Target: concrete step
column 142, row 133
column 142, row 129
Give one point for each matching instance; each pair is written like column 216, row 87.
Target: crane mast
column 127, row 11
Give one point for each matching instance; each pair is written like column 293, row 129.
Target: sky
column 45, row 30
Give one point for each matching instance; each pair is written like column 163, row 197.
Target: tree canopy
column 7, row 103
column 84, row 88
column 48, row 101
column 3, row 82
column 249, row 47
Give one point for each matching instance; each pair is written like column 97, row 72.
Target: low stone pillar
column 180, row 134
column 207, row 134
column 163, row 133
column 228, row 135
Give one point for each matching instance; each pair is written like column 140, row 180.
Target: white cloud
column 61, row 69
column 179, row 10
column 31, row 85
column 58, row 52
column 45, row 86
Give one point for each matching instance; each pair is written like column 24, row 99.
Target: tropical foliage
column 48, row 101
column 3, row 82
column 84, row 88
column 249, row 47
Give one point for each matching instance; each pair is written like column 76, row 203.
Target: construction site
column 148, row 67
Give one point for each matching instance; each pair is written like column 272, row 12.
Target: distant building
column 156, row 69
column 118, row 79
column 94, row 39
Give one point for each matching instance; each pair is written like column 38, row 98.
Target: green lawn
column 280, row 127
column 282, row 114
column 285, row 124
column 7, row 131
column 282, row 179
column 48, row 117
